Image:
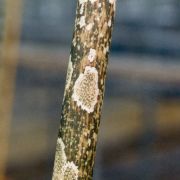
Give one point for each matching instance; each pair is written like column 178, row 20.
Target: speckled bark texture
column 81, row 111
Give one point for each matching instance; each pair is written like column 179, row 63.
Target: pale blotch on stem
column 82, row 1
column 113, row 2
column 109, row 23
column 93, row 1
column 69, row 73
column 86, row 90
column 82, row 22
column 89, row 26
column 63, row 170
column 70, row 171
column 92, row 55
column 60, row 160
column 82, row 9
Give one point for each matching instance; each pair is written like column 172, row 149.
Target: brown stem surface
column 84, row 91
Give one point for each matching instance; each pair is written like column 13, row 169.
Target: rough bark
column 8, row 62
column 84, row 91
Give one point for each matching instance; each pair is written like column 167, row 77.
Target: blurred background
column 140, row 126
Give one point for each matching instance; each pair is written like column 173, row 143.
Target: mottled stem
column 84, row 91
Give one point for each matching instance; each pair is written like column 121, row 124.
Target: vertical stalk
column 8, row 62
column 84, row 91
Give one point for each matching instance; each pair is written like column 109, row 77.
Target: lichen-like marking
column 99, row 5
column 70, row 171
column 82, row 21
column 60, row 160
column 69, row 73
column 93, row 1
column 86, row 90
column 82, row 4
column 82, row 1
column 89, row 26
column 82, row 9
column 92, row 55
column 112, row 1
column 63, row 169
column 109, row 23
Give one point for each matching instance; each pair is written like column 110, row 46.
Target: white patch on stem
column 82, row 9
column 60, row 160
column 109, row 23
column 69, row 73
column 93, row 1
column 82, row 1
column 112, row 1
column 70, row 171
column 99, row 5
column 86, row 90
column 92, row 55
column 63, row 169
column 89, row 26
column 107, row 48
column 82, row 22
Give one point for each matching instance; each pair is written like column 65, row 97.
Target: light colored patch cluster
column 82, row 9
column 82, row 1
column 112, row 1
column 82, row 21
column 70, row 171
column 93, row 1
column 60, row 160
column 63, row 169
column 69, row 73
column 89, row 26
column 92, row 55
column 86, row 90
column 82, row 4
column 109, row 23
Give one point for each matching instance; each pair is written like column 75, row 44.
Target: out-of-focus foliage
column 142, row 26
column 1, row 19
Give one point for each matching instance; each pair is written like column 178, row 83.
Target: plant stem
column 84, row 91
